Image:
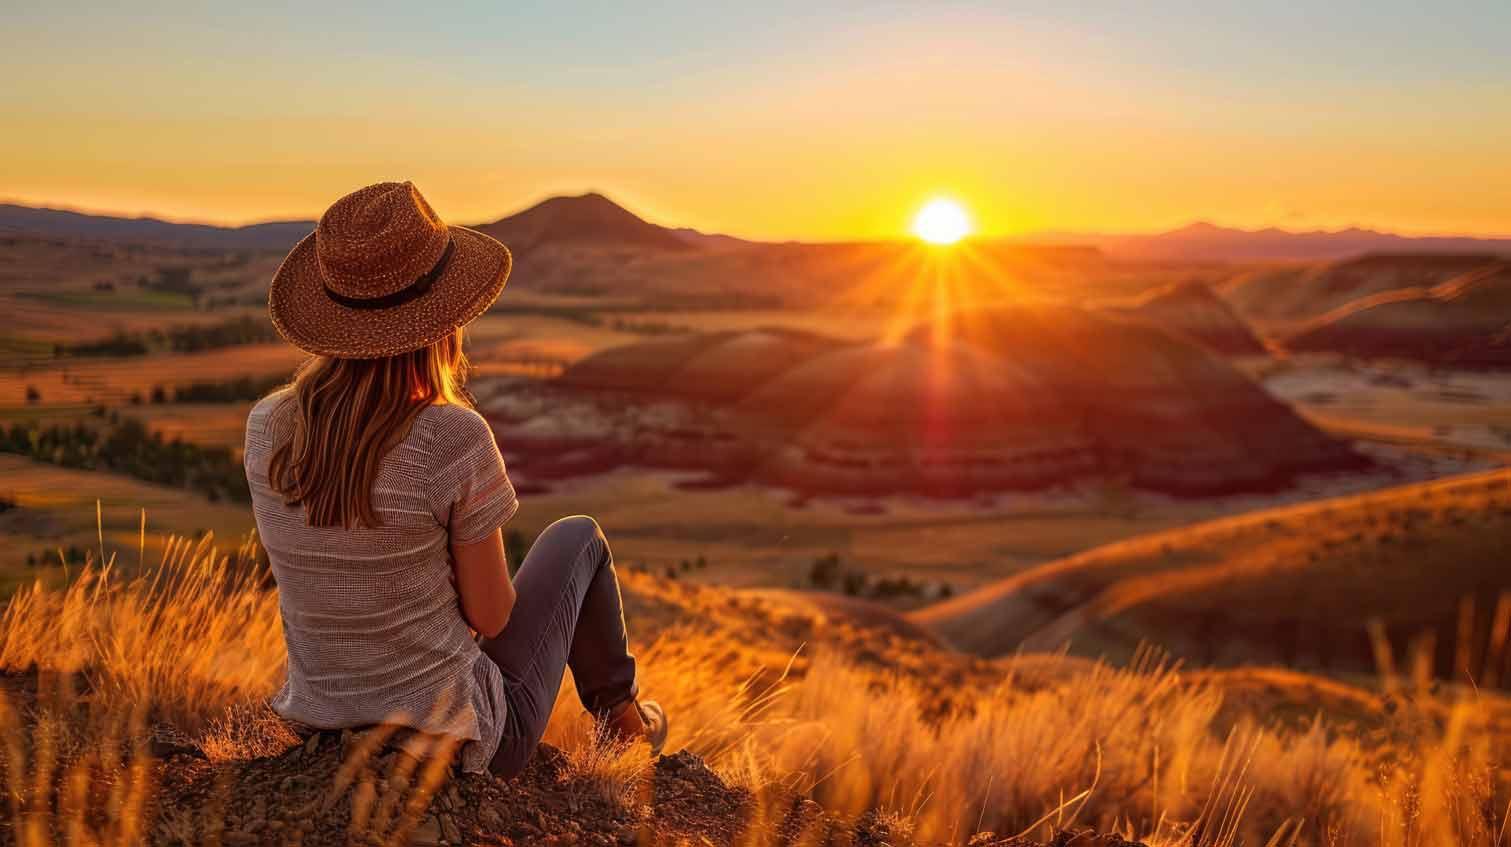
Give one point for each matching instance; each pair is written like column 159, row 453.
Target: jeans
column 568, row 613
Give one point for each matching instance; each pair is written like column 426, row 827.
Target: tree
column 825, row 571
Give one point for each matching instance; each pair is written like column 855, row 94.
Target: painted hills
column 1297, row 586
column 999, row 399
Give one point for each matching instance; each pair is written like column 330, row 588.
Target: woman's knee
column 574, row 529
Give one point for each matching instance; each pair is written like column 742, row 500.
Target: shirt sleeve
column 472, row 495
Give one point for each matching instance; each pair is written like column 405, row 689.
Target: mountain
column 1463, row 322
column 276, row 235
column 1295, row 586
column 584, row 220
column 1206, row 242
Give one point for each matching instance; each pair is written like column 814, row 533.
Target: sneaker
column 656, row 725
column 638, row 719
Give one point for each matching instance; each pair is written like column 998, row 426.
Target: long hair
column 348, row 413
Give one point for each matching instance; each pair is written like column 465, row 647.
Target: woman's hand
column 482, row 582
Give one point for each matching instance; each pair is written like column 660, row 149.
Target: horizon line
column 1040, row 233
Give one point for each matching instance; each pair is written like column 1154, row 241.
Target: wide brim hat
column 383, row 275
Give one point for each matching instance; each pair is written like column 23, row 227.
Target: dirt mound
column 1464, row 322
column 1194, row 310
column 1296, row 586
column 1298, row 293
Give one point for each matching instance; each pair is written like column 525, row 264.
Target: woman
column 380, row 495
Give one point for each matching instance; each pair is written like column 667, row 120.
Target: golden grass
column 196, row 641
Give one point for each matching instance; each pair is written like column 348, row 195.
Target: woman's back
column 371, row 615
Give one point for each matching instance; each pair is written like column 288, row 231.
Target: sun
column 942, row 221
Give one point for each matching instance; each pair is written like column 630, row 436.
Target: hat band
column 403, row 295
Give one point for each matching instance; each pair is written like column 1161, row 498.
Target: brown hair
column 348, row 414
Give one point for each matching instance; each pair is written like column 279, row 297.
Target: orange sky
column 817, row 125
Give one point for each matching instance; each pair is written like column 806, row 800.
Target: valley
column 1257, row 496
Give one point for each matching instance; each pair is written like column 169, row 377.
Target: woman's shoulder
column 452, row 426
column 265, row 407
column 263, row 410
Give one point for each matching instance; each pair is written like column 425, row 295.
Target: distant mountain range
column 60, row 223
column 593, row 219
column 586, row 219
column 1206, row 242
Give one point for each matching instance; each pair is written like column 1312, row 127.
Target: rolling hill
column 1295, row 586
column 1287, row 296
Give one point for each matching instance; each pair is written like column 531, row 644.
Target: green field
column 137, row 300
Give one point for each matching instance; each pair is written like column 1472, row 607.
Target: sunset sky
column 802, row 120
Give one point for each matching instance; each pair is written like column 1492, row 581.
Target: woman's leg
column 568, row 613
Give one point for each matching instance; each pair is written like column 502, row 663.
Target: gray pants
column 568, row 614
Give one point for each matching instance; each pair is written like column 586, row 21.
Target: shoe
column 657, row 727
column 639, row 719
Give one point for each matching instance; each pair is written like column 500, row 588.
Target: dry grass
column 193, row 642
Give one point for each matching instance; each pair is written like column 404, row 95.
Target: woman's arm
column 482, row 583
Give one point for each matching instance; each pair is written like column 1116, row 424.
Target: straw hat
column 382, row 275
